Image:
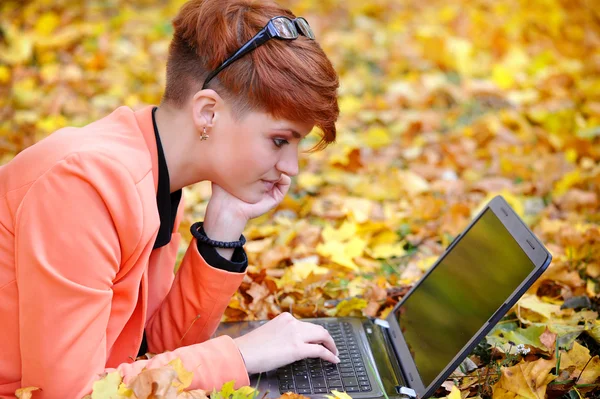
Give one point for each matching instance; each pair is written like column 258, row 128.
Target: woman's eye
column 280, row 142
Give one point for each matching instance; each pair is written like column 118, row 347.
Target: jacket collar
column 144, row 119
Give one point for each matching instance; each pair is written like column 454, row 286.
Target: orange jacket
column 79, row 280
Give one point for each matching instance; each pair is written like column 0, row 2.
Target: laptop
column 478, row 278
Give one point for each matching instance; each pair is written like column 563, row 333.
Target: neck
column 177, row 136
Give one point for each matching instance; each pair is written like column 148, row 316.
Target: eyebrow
column 294, row 133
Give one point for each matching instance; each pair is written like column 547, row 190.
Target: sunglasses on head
column 277, row 28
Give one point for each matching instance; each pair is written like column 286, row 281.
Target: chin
column 252, row 196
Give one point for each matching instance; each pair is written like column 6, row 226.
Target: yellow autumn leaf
column 385, row 251
column 47, row 23
column 25, row 393
column 578, row 356
column 425, row 264
column 124, row 390
column 309, row 181
column 227, row 389
column 298, row 272
column 591, row 373
column 4, row 74
column 356, row 287
column 184, row 377
column 349, row 104
column 377, row 137
column 359, row 209
column 346, row 231
column 454, row 393
column 108, row 387
column 528, row 380
column 413, row 183
column 338, row 395
column 19, row 48
column 568, row 180
column 503, row 76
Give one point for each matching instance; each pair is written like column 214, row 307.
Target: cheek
column 254, row 161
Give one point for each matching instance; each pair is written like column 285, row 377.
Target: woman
column 89, row 216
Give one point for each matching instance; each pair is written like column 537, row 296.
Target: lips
column 271, row 181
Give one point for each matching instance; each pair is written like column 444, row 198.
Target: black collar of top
column 166, row 202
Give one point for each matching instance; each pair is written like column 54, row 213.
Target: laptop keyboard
column 316, row 376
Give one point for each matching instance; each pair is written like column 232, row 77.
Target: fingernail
column 337, row 360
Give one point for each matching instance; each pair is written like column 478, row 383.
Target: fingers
column 315, row 350
column 322, row 336
column 283, row 185
column 311, row 340
column 284, row 180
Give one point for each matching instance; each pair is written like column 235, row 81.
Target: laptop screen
column 458, row 297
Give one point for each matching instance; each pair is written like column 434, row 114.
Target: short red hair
column 289, row 79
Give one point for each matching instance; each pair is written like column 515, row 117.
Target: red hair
column 289, row 79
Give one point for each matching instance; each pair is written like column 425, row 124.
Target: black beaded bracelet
column 198, row 232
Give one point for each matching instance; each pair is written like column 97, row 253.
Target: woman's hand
column 224, row 201
column 285, row 340
column 227, row 215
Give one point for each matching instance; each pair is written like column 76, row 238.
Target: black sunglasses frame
column 270, row 31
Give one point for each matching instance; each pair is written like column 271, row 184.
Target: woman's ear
column 206, row 106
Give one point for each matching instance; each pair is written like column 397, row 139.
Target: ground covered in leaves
column 443, row 106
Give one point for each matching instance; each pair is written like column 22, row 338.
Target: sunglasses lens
column 305, row 28
column 285, row 28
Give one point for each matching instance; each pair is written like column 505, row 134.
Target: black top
column 167, row 204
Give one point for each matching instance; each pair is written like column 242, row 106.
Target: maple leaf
column 526, row 379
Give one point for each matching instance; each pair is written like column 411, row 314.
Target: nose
column 288, row 163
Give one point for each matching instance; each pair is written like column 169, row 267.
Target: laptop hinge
column 400, row 389
column 381, row 323
column 406, row 391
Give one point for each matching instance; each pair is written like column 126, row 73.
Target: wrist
column 239, row 343
column 223, row 227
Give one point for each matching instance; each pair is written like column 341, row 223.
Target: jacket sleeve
column 68, row 254
column 192, row 309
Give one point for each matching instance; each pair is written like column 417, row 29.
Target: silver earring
column 204, row 135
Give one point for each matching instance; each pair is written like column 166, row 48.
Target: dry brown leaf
column 155, row 383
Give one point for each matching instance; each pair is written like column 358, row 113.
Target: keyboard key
column 352, row 389
column 351, row 374
column 346, row 369
column 304, row 390
column 363, row 378
column 365, row 383
column 319, row 383
column 300, row 378
column 334, row 383
column 350, row 382
column 320, row 390
column 365, row 388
